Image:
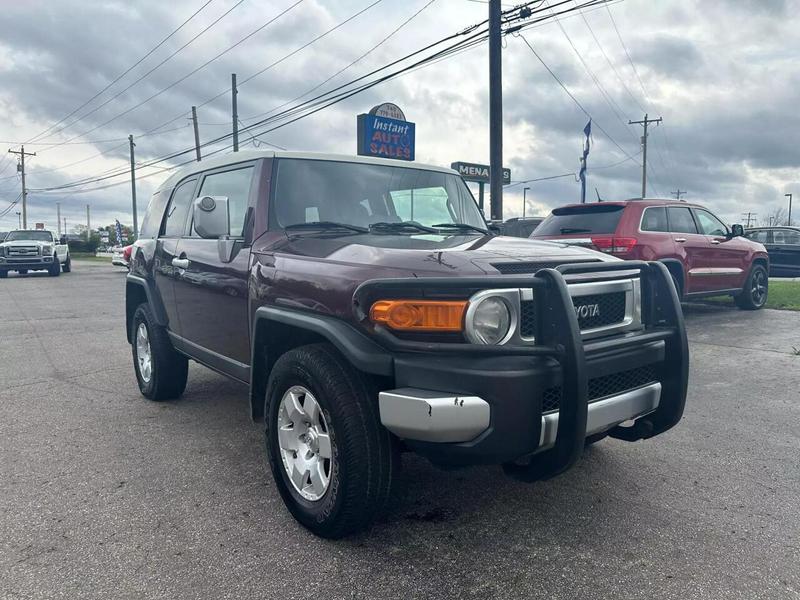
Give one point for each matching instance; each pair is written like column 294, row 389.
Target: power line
column 575, row 100
column 213, row 23
column 324, row 100
column 121, row 75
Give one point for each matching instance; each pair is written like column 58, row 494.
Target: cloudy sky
column 723, row 74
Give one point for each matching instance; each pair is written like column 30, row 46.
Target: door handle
column 681, row 240
column 180, row 263
column 715, row 242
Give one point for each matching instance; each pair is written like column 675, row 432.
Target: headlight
column 46, row 249
column 489, row 320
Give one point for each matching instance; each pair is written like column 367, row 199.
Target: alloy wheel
column 143, row 353
column 305, row 444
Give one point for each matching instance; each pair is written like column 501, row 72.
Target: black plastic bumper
column 513, row 380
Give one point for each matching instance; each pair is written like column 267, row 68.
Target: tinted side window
column 235, row 185
column 786, row 236
column 709, row 224
column 655, row 219
column 757, row 236
column 680, row 220
column 178, row 210
column 152, row 216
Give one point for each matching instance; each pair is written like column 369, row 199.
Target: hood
column 437, row 255
column 25, row 243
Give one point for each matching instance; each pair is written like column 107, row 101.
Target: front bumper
column 28, row 263
column 507, row 414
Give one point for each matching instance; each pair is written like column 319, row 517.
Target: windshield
column 593, row 218
column 33, row 235
column 361, row 194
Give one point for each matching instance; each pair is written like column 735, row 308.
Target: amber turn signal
column 419, row 315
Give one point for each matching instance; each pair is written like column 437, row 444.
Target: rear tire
column 67, row 266
column 756, row 288
column 160, row 370
column 354, row 486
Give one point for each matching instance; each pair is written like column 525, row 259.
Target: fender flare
column 668, row 262
column 359, row 350
column 153, row 299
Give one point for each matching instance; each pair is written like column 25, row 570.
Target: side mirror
column 737, row 230
column 212, row 218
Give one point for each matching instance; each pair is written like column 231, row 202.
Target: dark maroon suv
column 370, row 311
column 704, row 256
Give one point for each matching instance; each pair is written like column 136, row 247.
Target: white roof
column 250, row 155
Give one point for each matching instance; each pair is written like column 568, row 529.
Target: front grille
column 600, row 309
column 610, row 309
column 521, row 268
column 22, row 250
column 607, row 385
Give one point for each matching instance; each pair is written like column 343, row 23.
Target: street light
column 524, row 200
column 789, row 196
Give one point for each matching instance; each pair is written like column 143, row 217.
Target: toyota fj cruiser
column 34, row 250
column 370, row 310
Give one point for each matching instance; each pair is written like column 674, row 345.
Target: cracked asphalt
column 106, row 495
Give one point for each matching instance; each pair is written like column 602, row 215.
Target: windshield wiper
column 567, row 230
column 327, row 225
column 465, row 226
column 401, row 226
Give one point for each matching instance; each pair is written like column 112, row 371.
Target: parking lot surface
column 106, row 495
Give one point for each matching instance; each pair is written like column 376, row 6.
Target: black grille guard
column 560, row 339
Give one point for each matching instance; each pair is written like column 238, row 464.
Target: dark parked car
column 520, row 227
column 704, row 256
column 370, row 311
column 783, row 246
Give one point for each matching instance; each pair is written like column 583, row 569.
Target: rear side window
column 786, row 236
column 153, row 215
column 235, row 185
column 593, row 218
column 655, row 219
column 680, row 220
column 178, row 210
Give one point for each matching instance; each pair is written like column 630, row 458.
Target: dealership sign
column 385, row 133
column 478, row 173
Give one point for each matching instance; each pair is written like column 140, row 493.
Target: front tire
column 756, row 288
column 333, row 462
column 160, row 370
column 55, row 269
column 3, row 274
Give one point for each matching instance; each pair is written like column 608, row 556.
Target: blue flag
column 588, row 131
column 118, row 229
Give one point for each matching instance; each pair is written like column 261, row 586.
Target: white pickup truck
column 26, row 250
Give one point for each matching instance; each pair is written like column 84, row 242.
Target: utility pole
column 22, row 154
column 196, row 133
column 524, row 200
column 750, row 216
column 495, row 111
column 19, row 220
column 789, row 196
column 65, row 226
column 645, row 123
column 88, row 225
column 58, row 218
column 235, row 113
column 678, row 193
column 133, row 190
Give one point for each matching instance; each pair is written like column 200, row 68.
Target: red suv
column 705, row 256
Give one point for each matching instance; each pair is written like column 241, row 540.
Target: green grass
column 783, row 295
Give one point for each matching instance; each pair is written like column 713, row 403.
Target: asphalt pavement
column 106, row 495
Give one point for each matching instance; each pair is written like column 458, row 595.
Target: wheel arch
column 675, row 267
column 137, row 291
column 278, row 330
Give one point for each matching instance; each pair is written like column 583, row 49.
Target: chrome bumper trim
column 430, row 416
column 608, row 412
